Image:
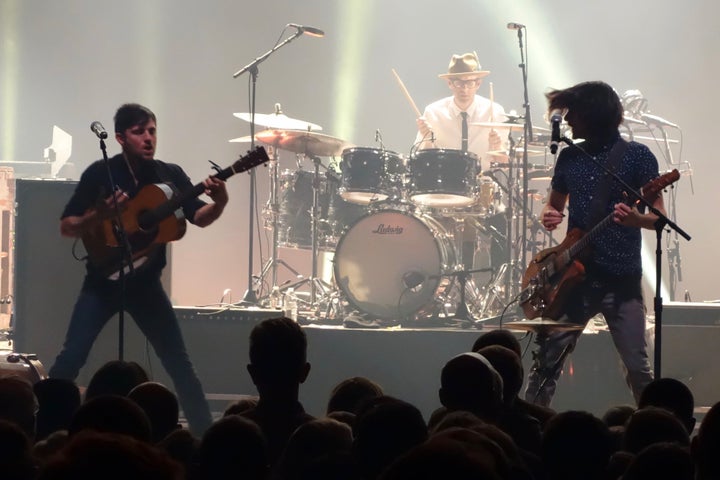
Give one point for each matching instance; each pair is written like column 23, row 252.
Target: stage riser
column 406, row 363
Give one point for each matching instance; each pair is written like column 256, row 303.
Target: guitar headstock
column 651, row 189
column 255, row 157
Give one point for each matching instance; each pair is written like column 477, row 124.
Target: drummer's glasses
column 466, row 83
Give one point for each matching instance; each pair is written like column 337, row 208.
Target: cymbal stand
column 316, row 284
column 274, row 207
column 512, row 227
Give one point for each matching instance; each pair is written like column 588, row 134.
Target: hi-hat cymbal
column 279, row 121
column 301, row 141
column 498, row 125
column 518, row 153
column 543, row 325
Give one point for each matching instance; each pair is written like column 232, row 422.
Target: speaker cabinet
column 48, row 279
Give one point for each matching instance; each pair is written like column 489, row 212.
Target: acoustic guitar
column 554, row 272
column 153, row 217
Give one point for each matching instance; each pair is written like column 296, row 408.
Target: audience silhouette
column 161, row 407
column 130, row 427
column 233, row 447
column 278, row 366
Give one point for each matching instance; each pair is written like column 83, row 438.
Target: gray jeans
column 625, row 315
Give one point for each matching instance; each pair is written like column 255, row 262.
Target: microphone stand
column 659, row 225
column 126, row 253
column 528, row 134
column 250, row 296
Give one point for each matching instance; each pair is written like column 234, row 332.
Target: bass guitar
column 153, row 217
column 554, row 272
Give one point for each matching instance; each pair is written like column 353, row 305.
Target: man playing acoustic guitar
column 611, row 283
column 145, row 300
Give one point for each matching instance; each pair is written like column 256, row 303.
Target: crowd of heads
column 125, row 426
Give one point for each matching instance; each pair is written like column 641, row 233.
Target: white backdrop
column 70, row 62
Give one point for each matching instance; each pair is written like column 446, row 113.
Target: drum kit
column 392, row 223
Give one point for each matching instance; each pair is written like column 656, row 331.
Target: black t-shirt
column 94, row 186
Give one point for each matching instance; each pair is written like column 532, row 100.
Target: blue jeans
column 625, row 315
column 150, row 308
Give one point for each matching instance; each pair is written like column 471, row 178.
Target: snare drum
column 368, row 174
column 442, row 177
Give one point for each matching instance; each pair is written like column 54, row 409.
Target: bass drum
column 389, row 263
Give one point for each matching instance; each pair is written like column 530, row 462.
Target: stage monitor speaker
column 48, row 278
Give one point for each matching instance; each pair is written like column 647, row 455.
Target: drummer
column 441, row 125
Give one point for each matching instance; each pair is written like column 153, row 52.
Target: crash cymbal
column 543, row 325
column 300, row 141
column 279, row 121
column 500, row 125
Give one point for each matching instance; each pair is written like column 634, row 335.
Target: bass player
column 613, row 267
column 144, row 299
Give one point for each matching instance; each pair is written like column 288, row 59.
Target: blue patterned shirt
column 616, row 250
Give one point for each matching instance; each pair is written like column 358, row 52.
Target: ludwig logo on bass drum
column 389, row 230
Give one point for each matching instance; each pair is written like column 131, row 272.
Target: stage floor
column 406, row 362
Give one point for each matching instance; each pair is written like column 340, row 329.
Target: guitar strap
column 602, row 191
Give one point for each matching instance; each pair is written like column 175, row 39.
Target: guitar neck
column 649, row 191
column 581, row 244
column 150, row 217
column 167, row 208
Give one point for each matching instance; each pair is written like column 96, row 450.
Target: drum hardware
column 462, row 315
column 276, row 120
column 287, row 219
column 316, row 284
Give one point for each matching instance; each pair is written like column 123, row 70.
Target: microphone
column 654, row 119
column 515, row 26
column 555, row 119
column 413, row 279
column 98, row 130
column 312, row 31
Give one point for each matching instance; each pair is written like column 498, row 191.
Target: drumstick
column 407, row 94
column 492, row 101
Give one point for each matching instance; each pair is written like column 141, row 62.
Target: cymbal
column 505, row 125
column 543, row 325
column 278, row 120
column 632, row 120
column 245, row 139
column 518, row 153
column 301, row 141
